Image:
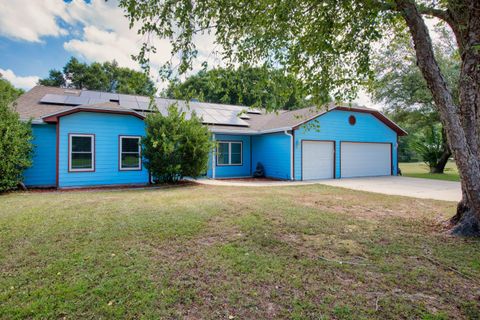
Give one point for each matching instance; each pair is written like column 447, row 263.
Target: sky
column 36, row 36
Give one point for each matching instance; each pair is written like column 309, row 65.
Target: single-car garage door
column 317, row 160
column 365, row 159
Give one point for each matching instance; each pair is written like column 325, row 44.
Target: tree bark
column 460, row 122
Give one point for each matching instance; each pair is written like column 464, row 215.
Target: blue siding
column 334, row 126
column 233, row 171
column 273, row 151
column 42, row 173
column 106, row 128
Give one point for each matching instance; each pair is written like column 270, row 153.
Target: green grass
column 421, row 170
column 307, row 252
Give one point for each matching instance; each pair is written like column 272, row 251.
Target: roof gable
column 377, row 114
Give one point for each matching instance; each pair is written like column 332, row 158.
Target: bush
column 15, row 144
column 175, row 147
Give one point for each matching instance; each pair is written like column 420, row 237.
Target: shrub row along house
column 90, row 138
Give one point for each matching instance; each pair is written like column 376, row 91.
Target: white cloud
column 100, row 45
column 20, row 82
column 106, row 36
column 31, row 20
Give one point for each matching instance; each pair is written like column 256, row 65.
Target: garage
column 318, row 160
column 365, row 159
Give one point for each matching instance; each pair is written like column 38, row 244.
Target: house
column 90, row 138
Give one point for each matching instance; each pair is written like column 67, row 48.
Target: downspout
column 213, row 157
column 291, row 153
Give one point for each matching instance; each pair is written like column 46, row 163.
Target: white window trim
column 139, row 167
column 70, row 136
column 230, row 153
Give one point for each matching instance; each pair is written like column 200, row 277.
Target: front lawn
column 420, row 170
column 208, row 252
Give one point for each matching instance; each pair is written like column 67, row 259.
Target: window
column 81, row 152
column 130, row 153
column 229, row 153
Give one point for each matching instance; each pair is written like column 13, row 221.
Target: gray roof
column 42, row 102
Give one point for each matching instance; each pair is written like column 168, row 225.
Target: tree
column 15, row 139
column 175, row 147
column 250, row 86
column 399, row 84
column 107, row 76
column 328, row 45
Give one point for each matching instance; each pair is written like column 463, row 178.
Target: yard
column 303, row 252
column 421, row 170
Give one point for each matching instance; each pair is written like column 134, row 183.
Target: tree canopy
column 107, row 76
column 250, row 86
column 8, row 93
column 15, row 139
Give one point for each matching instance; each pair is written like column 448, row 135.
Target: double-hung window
column 229, row 153
column 81, row 152
column 130, row 153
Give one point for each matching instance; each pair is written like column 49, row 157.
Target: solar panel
column 74, row 100
column 205, row 116
column 131, row 104
column 90, row 94
column 231, row 118
column 143, row 105
column 127, row 97
column 107, row 96
column 142, row 99
column 53, row 98
column 211, row 113
column 95, row 100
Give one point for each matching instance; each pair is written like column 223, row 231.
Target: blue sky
column 36, row 36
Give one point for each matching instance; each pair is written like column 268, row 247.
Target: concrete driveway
column 402, row 186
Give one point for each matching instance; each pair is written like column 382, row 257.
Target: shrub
column 429, row 145
column 175, row 147
column 15, row 143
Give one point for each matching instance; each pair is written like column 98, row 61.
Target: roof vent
column 115, row 100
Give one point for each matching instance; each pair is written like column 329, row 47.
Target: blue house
column 89, row 138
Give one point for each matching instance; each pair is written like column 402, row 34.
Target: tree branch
column 437, row 13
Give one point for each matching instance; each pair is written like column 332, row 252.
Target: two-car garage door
column 357, row 159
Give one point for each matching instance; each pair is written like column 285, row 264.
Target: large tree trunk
column 460, row 122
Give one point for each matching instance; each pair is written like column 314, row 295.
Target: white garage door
column 365, row 159
column 317, row 160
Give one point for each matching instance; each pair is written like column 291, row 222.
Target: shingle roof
column 241, row 118
column 28, row 104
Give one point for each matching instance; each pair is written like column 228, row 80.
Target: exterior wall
column 107, row 128
column 230, row 171
column 334, row 126
column 274, row 152
column 42, row 173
